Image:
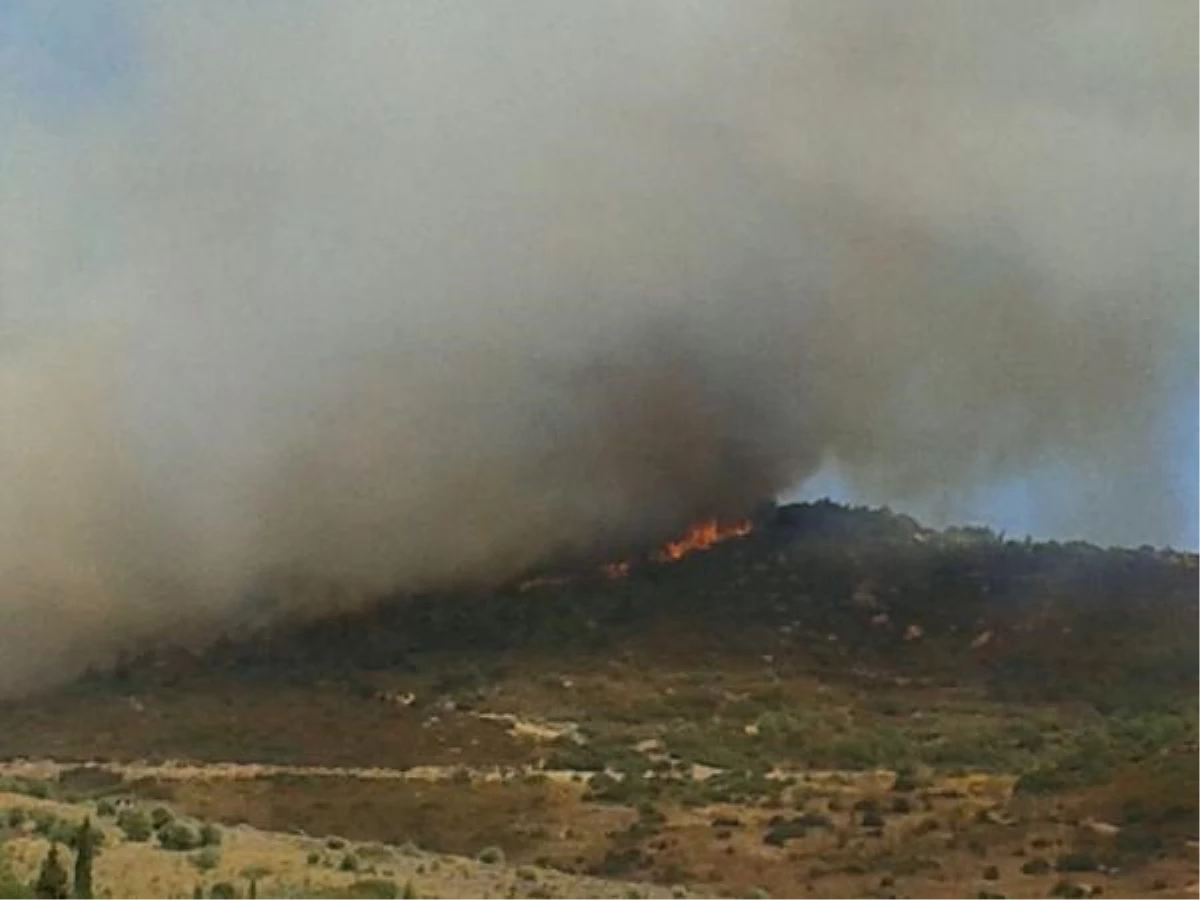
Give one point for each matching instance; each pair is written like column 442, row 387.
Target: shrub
column 16, row 816
column 991, row 873
column 210, row 835
column 206, row 859
column 160, row 817
column 105, row 808
column 349, row 863
column 178, row 836
column 1079, row 861
column 10, row 885
column 62, row 832
column 313, row 858
column 134, row 824
column 1035, row 866
column 373, row 889
column 492, row 856
column 31, row 787
column 223, row 890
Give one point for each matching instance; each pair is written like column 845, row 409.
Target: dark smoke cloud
column 382, row 295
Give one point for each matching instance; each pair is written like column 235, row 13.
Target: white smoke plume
column 409, row 295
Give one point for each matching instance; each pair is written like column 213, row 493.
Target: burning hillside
column 811, row 583
column 698, row 537
column 701, row 536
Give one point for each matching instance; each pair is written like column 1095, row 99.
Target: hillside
column 834, row 701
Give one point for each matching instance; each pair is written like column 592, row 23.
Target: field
column 840, row 703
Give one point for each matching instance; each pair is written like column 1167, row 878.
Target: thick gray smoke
column 396, row 296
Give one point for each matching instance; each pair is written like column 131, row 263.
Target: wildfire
column 701, row 536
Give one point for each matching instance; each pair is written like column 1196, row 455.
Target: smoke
column 399, row 296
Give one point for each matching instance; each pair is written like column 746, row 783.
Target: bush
column 160, row 817
column 1079, row 861
column 349, row 863
column 223, row 890
column 66, row 833
column 105, row 808
column 492, row 856
column 134, row 824
column 16, row 816
column 178, row 836
column 31, row 787
column 1035, row 866
column 10, row 885
column 206, row 859
column 210, row 835
column 373, row 889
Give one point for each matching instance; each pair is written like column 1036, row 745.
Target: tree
column 52, row 877
column 85, row 854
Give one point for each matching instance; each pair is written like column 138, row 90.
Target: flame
column 701, row 536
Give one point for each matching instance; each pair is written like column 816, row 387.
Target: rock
column 1104, row 829
column 982, row 640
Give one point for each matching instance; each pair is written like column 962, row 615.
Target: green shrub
column 31, row 787
column 349, row 863
column 210, row 835
column 491, row 855
column 160, row 817
column 62, row 832
column 373, row 889
column 134, row 824
column 206, row 859
column 43, row 821
column 16, row 816
column 10, row 885
column 105, row 808
column 223, row 890
column 178, row 836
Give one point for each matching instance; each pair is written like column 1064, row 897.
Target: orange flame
column 701, row 536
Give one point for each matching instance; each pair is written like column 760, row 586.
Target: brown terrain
column 836, row 702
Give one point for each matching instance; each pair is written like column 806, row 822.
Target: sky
column 75, row 60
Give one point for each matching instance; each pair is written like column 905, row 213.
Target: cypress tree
column 85, row 854
column 52, row 877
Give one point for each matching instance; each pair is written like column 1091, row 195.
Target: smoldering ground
column 399, row 296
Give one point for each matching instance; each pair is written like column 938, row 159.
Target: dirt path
column 177, row 770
